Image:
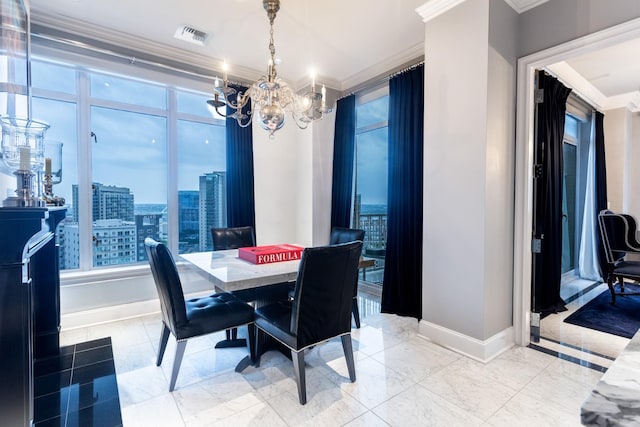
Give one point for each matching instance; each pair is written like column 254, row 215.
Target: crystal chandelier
column 272, row 98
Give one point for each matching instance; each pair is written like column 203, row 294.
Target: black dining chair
column 193, row 317
column 320, row 310
column 233, row 238
column 344, row 235
column 618, row 233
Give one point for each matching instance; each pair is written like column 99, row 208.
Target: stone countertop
column 615, row 401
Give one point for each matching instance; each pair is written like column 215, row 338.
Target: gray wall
column 559, row 21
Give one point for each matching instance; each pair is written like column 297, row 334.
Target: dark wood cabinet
column 29, row 304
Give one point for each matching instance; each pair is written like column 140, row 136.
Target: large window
column 141, row 158
column 371, row 176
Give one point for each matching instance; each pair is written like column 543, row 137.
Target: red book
column 270, row 253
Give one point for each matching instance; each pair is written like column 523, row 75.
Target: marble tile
column 271, row 381
column 327, row 405
column 375, row 382
column 469, row 385
column 524, row 410
column 134, row 357
column 563, row 385
column 260, row 415
column 416, row 358
column 160, row 411
column 368, row 419
column 418, row 406
column 141, row 384
column 371, row 339
column 216, row 399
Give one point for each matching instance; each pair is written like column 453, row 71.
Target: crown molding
column 521, row 6
column 124, row 44
column 434, row 8
column 382, row 68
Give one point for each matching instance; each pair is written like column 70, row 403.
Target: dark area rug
column 622, row 319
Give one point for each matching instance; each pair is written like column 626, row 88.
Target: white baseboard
column 113, row 313
column 483, row 351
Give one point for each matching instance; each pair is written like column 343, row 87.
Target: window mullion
column 85, row 180
column 172, row 175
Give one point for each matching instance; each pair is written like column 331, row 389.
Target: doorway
column 524, row 152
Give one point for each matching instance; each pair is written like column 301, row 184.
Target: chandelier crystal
column 272, row 98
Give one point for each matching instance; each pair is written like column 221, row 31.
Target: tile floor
column 586, row 344
column 78, row 387
column 402, row 380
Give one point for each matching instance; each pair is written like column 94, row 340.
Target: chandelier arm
column 300, row 123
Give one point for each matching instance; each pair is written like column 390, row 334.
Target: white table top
column 230, row 273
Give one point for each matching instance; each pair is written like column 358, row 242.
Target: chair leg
column 348, row 355
column 621, row 281
column 181, row 346
column 234, row 333
column 356, row 312
column 251, row 337
column 162, row 346
column 228, row 334
column 611, row 290
column 298, row 366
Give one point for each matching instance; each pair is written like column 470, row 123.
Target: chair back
column 618, row 234
column 344, row 235
column 167, row 280
column 232, row 237
column 324, row 292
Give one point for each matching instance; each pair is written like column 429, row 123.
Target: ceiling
column 345, row 42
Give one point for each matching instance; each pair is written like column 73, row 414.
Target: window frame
column 173, row 82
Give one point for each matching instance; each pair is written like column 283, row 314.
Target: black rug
column 622, row 319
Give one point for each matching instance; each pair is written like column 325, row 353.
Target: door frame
column 524, row 156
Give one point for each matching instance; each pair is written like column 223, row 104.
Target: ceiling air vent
column 191, row 35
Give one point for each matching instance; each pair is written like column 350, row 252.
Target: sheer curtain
column 240, row 190
column 343, row 157
column 402, row 284
column 588, row 258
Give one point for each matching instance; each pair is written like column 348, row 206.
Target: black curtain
column 240, row 193
column 601, row 185
column 402, row 286
column 547, row 221
column 343, row 156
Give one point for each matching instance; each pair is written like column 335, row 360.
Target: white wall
column 617, row 129
column 283, row 184
column 323, row 133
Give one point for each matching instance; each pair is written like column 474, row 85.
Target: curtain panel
column 547, row 221
column 402, row 283
column 343, row 157
column 240, row 190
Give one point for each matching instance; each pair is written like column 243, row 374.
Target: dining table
column 259, row 284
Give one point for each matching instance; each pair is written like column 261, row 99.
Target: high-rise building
column 188, row 221
column 147, row 225
column 213, row 206
column 108, row 202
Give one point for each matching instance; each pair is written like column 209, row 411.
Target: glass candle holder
column 23, row 153
column 53, row 160
column 23, row 143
